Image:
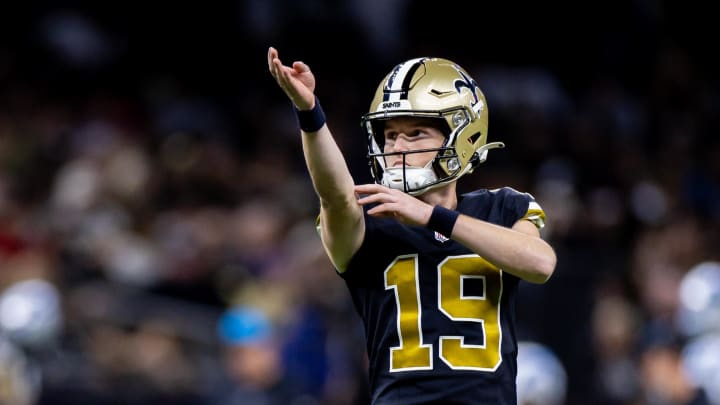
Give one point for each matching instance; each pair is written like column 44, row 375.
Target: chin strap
column 416, row 178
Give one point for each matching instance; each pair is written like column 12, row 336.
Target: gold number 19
column 413, row 353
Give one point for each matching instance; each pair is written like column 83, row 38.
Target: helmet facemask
column 412, row 180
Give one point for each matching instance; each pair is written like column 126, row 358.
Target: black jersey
column 438, row 318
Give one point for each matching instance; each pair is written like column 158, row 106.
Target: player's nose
column 400, row 144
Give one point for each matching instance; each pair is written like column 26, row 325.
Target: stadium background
column 151, row 179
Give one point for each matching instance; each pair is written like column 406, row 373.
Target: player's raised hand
column 394, row 204
column 297, row 81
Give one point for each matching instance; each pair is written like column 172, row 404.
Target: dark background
column 609, row 111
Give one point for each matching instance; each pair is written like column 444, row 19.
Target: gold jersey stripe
column 535, row 214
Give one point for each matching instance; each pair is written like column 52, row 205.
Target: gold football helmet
column 434, row 88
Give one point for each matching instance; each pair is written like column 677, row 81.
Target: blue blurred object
column 305, row 351
column 244, row 326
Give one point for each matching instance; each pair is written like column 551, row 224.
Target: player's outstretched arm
column 341, row 217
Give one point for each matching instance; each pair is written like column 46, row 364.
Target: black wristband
column 442, row 220
column 311, row 120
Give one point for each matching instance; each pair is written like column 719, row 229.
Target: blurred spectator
column 616, row 326
column 253, row 360
column 664, row 380
column 20, row 380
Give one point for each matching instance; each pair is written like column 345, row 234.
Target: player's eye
column 390, row 136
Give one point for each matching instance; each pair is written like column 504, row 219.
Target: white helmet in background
column 701, row 362
column 699, row 304
column 30, row 313
column 541, row 377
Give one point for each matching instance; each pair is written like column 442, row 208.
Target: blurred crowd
column 157, row 224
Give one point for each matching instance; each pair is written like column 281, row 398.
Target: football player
column 433, row 274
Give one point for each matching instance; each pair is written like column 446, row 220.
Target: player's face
column 405, row 134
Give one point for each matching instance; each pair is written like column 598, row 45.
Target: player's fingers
column 377, row 211
column 379, row 198
column 369, row 188
column 301, row 67
column 277, row 70
column 376, row 198
column 286, row 79
column 369, row 199
column 282, row 75
column 384, row 210
column 272, row 54
column 274, row 63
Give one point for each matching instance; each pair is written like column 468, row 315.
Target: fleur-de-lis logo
column 468, row 83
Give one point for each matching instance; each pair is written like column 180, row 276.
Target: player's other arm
column 342, row 220
column 518, row 250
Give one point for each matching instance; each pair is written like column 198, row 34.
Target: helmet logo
column 467, row 82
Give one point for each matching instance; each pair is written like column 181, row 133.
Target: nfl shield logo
column 440, row 237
